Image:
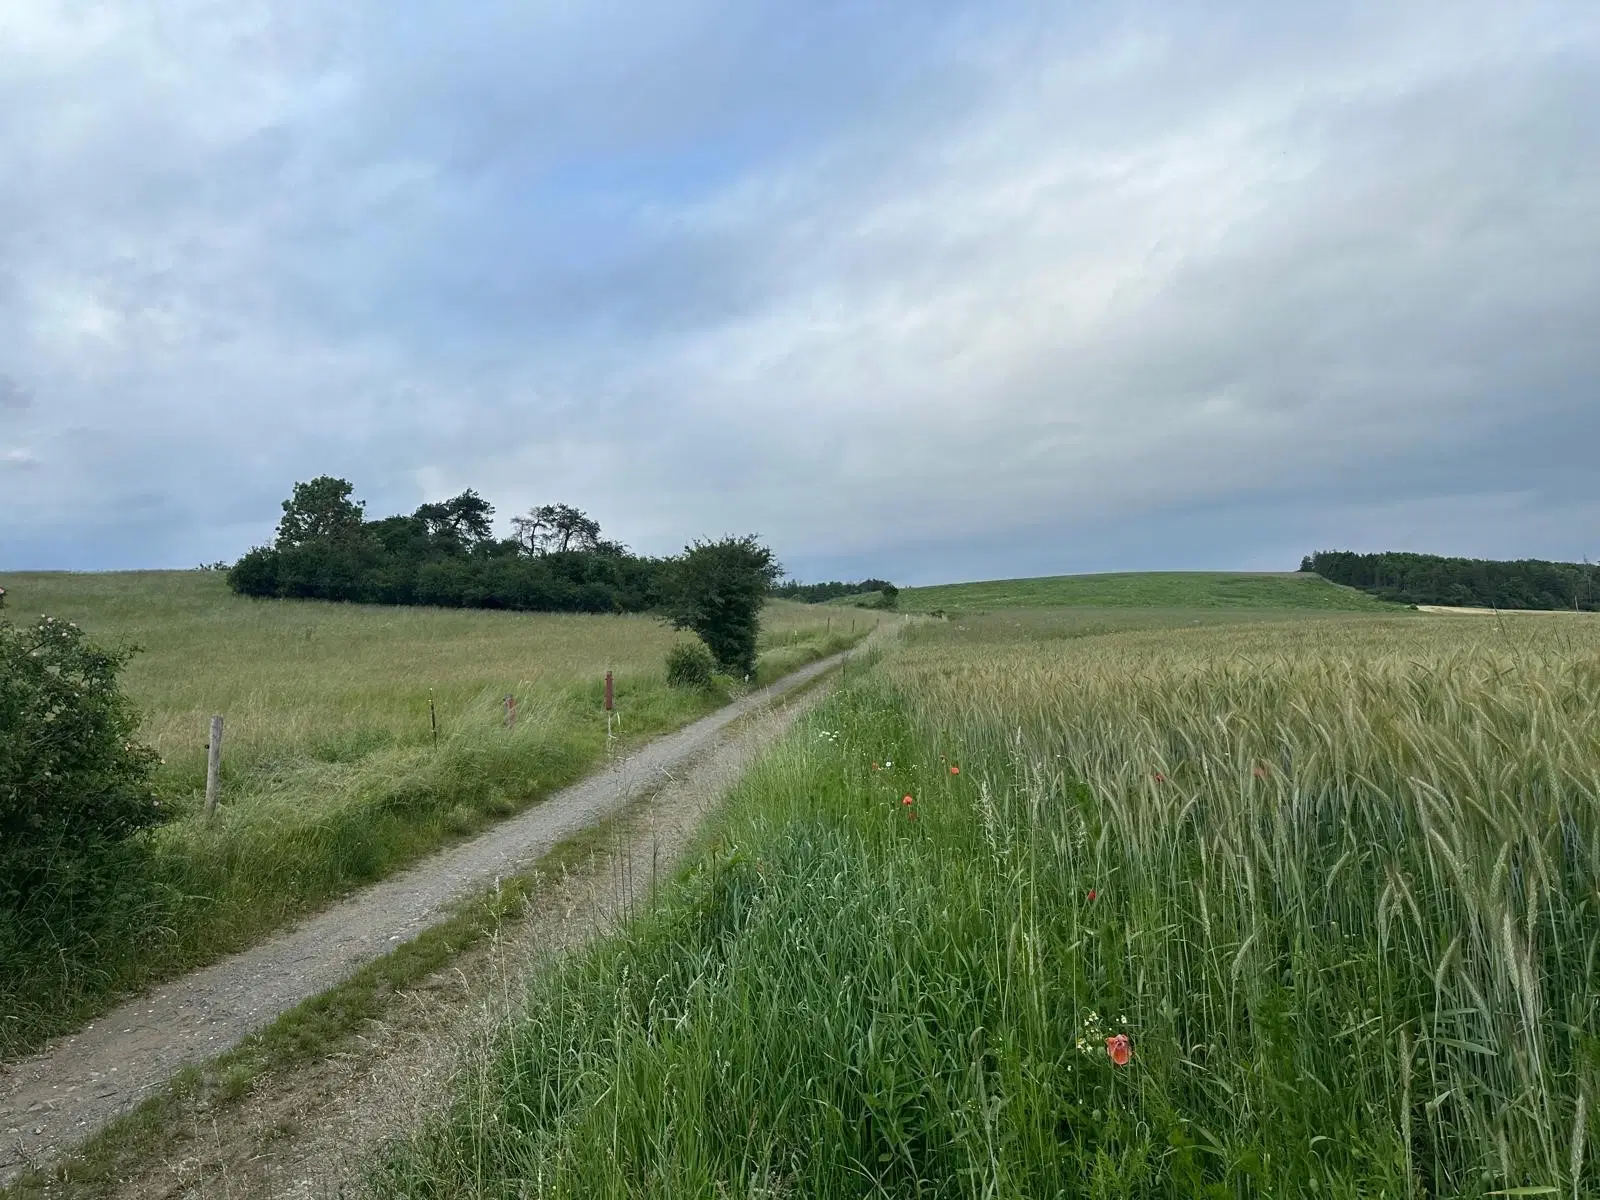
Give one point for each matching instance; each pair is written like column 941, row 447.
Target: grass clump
column 690, row 665
column 1335, row 882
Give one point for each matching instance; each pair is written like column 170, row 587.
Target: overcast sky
column 931, row 290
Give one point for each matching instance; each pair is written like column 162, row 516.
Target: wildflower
column 1120, row 1049
column 1262, row 770
column 908, row 800
column 1158, row 777
column 875, row 766
column 1092, row 894
column 954, row 770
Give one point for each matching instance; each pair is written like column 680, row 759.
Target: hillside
column 1145, row 589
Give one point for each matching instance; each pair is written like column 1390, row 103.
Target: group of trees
column 556, row 560
column 1462, row 582
column 445, row 554
column 816, row 593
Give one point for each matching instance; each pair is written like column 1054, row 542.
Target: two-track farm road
column 77, row 1085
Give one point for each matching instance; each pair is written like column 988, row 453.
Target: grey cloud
column 1008, row 284
column 13, row 396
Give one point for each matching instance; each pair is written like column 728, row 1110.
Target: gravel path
column 309, row 1131
column 75, row 1086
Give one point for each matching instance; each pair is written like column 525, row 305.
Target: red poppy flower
column 1093, row 893
column 955, row 770
column 1261, row 771
column 1120, row 1049
column 1158, row 777
column 908, row 800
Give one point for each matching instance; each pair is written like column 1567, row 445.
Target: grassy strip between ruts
column 324, row 1024
column 1333, row 882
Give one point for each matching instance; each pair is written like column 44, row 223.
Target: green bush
column 74, row 784
column 690, row 665
column 717, row 589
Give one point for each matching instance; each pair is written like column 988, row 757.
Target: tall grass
column 331, row 774
column 1337, row 881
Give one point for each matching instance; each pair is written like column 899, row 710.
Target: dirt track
column 75, row 1086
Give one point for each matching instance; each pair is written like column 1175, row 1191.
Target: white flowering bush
column 75, row 784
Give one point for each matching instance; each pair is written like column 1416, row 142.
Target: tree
column 319, row 511
column 556, row 529
column 717, row 589
column 464, row 518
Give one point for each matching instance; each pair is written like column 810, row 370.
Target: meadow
column 1172, row 591
column 332, row 776
column 1333, row 879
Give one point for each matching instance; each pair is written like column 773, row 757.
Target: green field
column 1335, row 878
column 1170, row 590
column 331, row 774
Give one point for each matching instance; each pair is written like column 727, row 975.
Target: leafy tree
column 717, row 589
column 74, row 783
column 557, row 529
column 464, row 518
column 319, row 511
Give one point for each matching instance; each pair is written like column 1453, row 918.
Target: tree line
column 1462, row 582
column 446, row 554
column 816, row 593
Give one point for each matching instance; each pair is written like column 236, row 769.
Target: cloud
column 18, row 460
column 994, row 289
column 13, row 396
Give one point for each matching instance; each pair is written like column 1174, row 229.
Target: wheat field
column 1335, row 880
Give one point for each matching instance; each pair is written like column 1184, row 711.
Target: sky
column 929, row 291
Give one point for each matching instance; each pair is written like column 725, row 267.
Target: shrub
column 690, row 665
column 717, row 589
column 74, row 784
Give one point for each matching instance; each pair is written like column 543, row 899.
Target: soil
column 302, row 1134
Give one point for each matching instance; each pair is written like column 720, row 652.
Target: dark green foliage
column 690, row 665
column 1464, row 582
column 319, row 511
column 445, row 554
column 74, row 784
column 717, row 589
column 816, row 593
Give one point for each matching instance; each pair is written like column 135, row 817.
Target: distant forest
column 1462, row 582
column 446, row 554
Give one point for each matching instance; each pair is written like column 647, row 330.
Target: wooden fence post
column 213, row 765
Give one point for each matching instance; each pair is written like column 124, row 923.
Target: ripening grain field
column 331, row 774
column 1335, row 881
